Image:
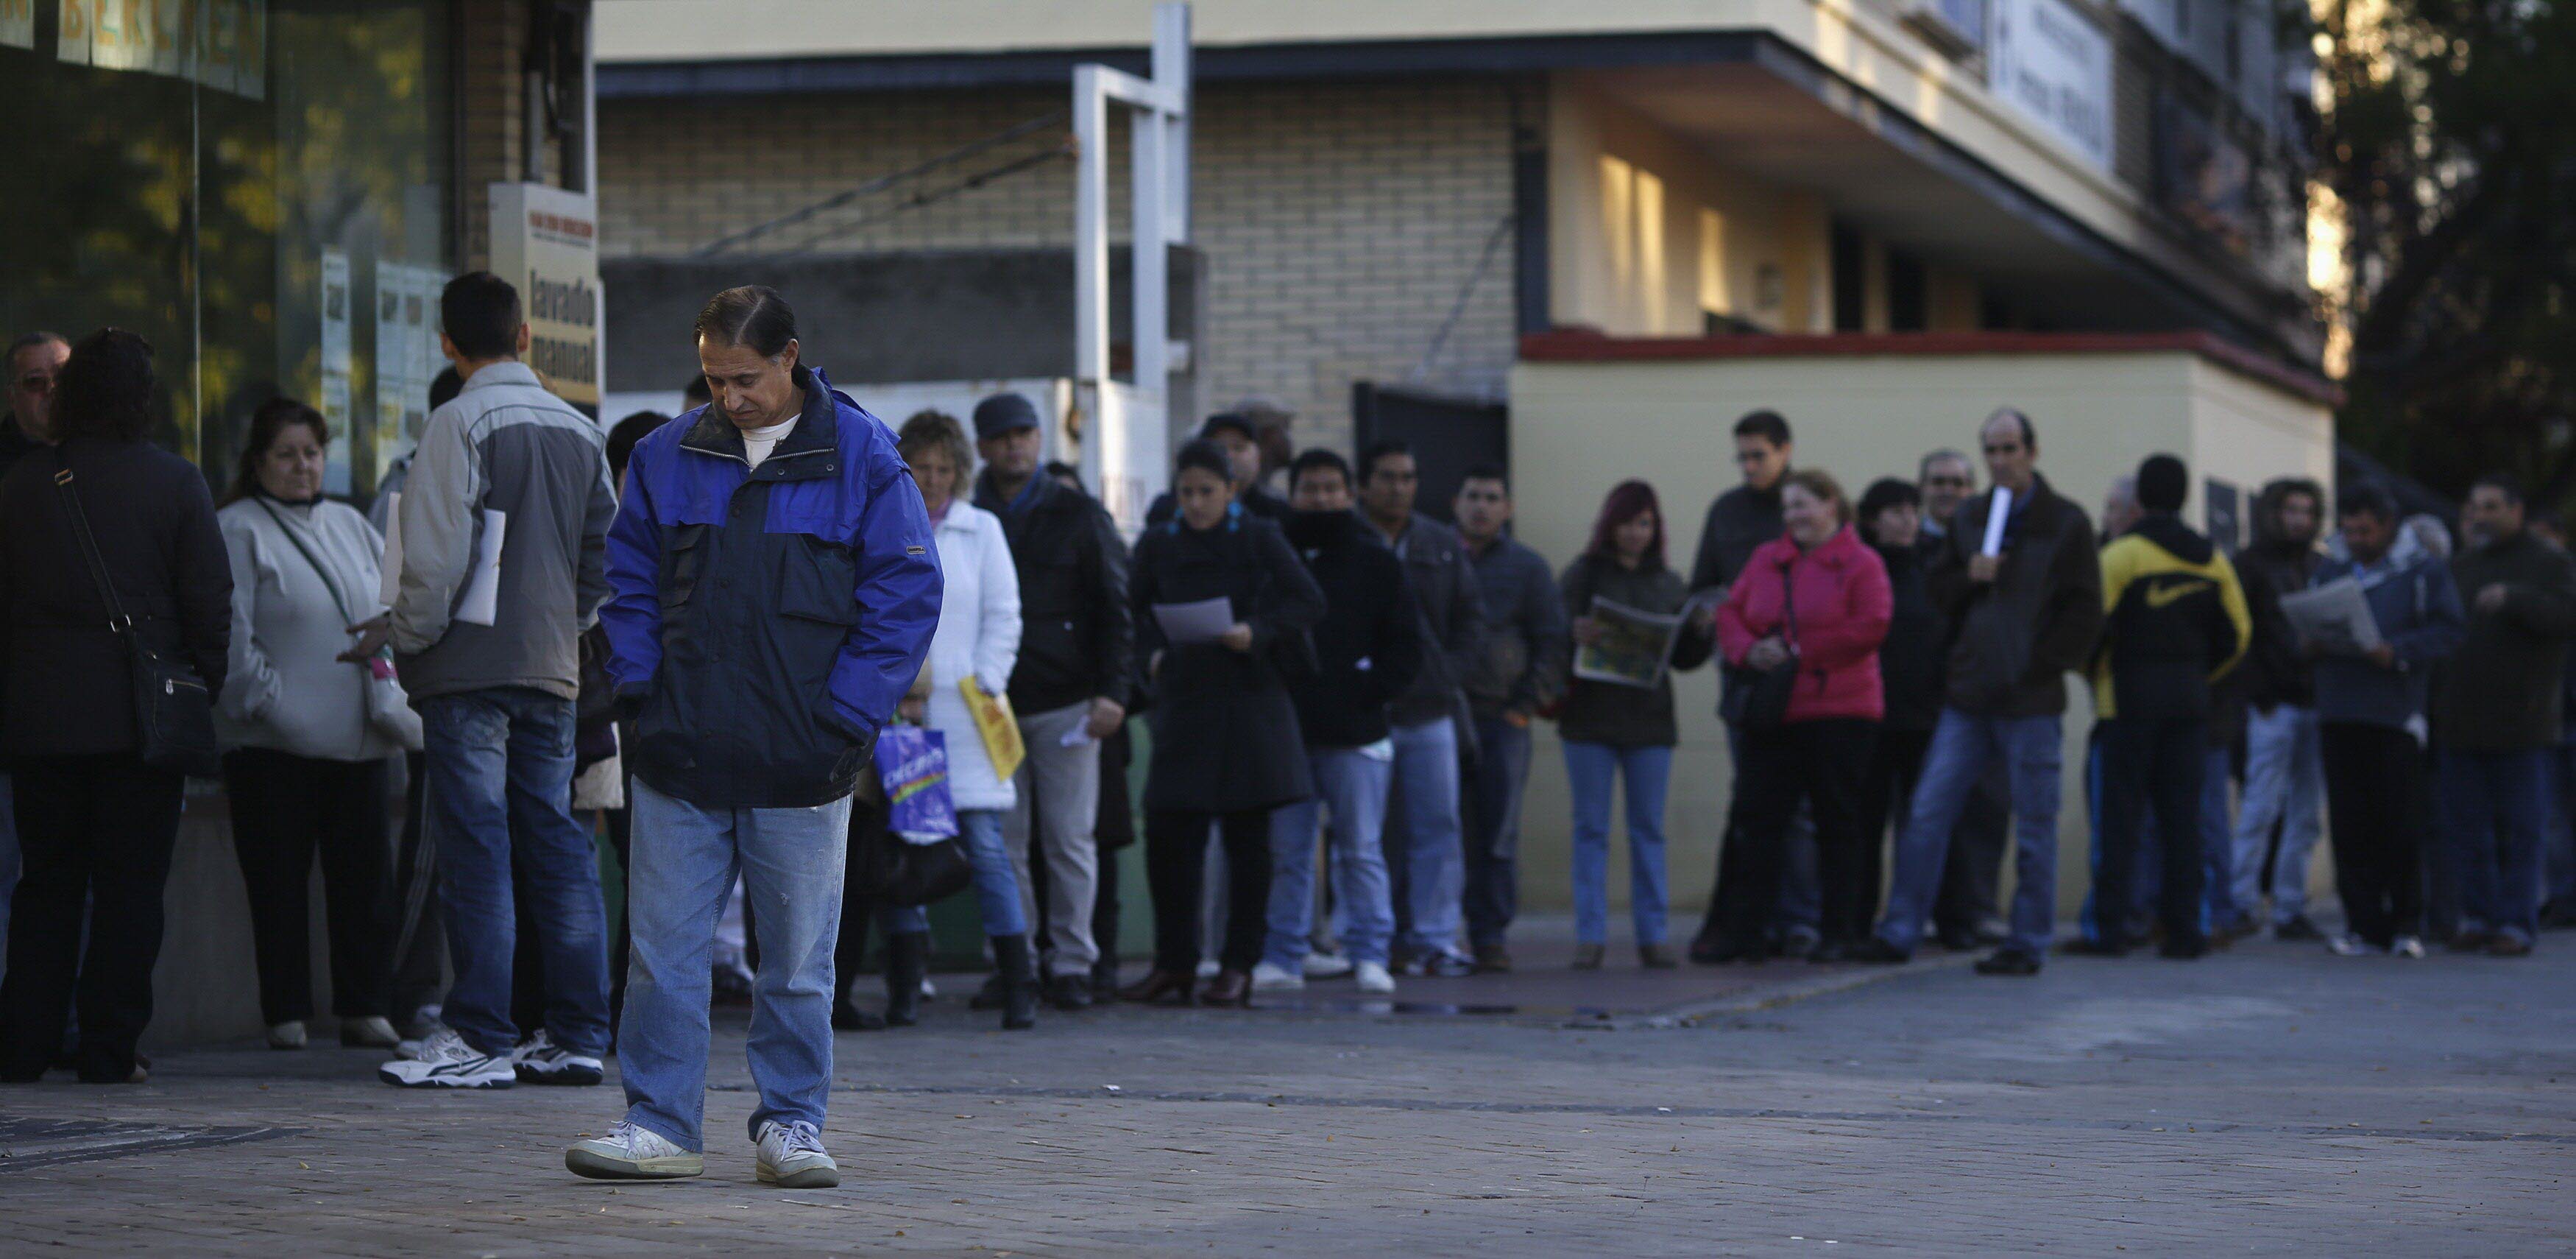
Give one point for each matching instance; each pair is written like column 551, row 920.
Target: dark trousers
column 528, row 963
column 2152, row 766
column 1175, row 865
column 288, row 809
column 1490, row 784
column 94, row 830
column 1972, row 873
column 1886, row 797
column 1819, row 763
column 418, row 948
column 2374, row 793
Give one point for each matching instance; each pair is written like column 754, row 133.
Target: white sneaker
column 792, row 1157
column 1208, row 967
column 447, row 1062
column 2347, row 944
column 2407, row 947
column 1267, row 977
column 1327, row 965
column 632, row 1153
column 286, row 1035
column 1373, row 977
column 539, row 1060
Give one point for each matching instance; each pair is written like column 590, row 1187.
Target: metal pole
column 1090, row 228
column 1171, row 68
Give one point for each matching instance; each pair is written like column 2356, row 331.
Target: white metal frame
column 1128, row 423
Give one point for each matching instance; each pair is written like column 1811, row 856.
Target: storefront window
column 262, row 189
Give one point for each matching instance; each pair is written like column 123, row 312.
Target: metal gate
column 1448, row 435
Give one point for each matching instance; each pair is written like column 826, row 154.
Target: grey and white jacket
column 504, row 444
column 285, row 687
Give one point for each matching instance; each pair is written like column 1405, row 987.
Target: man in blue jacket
column 774, row 588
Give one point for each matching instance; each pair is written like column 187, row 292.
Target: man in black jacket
column 1071, row 682
column 1367, row 649
column 2027, row 612
column 1423, row 829
column 2285, row 774
column 1517, row 674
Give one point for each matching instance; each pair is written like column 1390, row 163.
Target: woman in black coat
column 1226, row 745
column 95, row 824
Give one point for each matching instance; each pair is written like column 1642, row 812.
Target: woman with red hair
column 1622, row 730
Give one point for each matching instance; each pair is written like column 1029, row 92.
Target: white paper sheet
column 1995, row 518
column 1202, row 622
column 2335, row 616
column 481, row 604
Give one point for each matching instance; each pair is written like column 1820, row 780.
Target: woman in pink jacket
column 1816, row 601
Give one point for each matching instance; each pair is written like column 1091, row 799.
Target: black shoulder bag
column 1758, row 699
column 173, row 715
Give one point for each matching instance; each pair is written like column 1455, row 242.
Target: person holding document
column 2018, row 576
column 496, row 696
column 1227, row 747
column 1616, row 730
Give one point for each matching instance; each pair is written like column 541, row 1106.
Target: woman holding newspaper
column 1801, row 629
column 971, row 655
column 1630, row 633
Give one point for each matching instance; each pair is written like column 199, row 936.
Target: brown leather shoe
column 2508, row 946
column 1230, row 987
column 1160, row 987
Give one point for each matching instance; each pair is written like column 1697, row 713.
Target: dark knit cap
column 2163, row 483
column 1003, row 413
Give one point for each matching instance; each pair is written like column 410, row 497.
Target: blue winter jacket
column 763, row 624
column 2418, row 611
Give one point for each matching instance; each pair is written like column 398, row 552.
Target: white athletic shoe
column 371, row 1031
column 2346, row 944
column 792, row 1157
column 2407, row 947
column 286, row 1035
column 1373, row 977
column 447, row 1062
column 1208, row 967
column 632, row 1153
column 1327, row 965
column 540, row 1060
column 1267, row 977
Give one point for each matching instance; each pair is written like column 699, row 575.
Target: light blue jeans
column 1424, row 837
column 685, row 861
column 1962, row 745
column 997, row 882
column 2285, row 783
column 1353, row 785
column 1593, row 769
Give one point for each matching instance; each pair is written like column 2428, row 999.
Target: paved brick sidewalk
column 2273, row 1100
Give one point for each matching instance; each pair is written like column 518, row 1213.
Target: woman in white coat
column 308, row 734
column 978, row 638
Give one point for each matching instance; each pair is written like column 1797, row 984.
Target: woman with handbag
column 978, row 640
column 1615, row 731
column 114, row 610
column 309, row 736
column 1226, row 746
column 1801, row 628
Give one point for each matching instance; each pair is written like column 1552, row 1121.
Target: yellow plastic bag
column 1000, row 729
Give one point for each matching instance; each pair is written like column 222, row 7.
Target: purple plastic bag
column 913, row 763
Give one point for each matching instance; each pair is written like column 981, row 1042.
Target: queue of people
column 703, row 624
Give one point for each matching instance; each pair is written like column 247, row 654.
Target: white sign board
column 407, row 355
column 336, row 298
column 2054, row 65
column 545, row 242
column 221, row 44
column 18, row 23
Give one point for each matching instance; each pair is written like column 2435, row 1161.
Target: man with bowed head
column 776, row 588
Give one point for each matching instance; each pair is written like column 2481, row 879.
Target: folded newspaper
column 2335, row 616
column 1636, row 646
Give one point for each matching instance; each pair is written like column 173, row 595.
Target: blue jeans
column 997, row 881
column 1962, row 745
column 1494, row 786
column 2285, row 783
column 1424, row 843
column 1353, row 784
column 498, row 769
column 1592, row 767
column 2494, row 806
column 686, row 859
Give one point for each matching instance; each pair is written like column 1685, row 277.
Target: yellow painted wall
column 1591, row 425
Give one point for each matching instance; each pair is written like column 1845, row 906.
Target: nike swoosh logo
column 2164, row 596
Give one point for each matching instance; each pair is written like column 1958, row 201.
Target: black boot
column 907, row 960
column 1018, row 973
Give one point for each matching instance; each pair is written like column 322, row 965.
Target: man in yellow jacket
column 2175, row 622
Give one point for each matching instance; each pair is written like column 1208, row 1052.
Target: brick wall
column 492, row 92
column 1340, row 221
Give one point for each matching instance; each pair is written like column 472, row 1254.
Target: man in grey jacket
column 1426, row 855
column 496, row 697
column 1515, row 676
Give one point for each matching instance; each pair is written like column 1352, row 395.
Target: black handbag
column 173, row 714
column 1758, row 699
column 895, row 871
